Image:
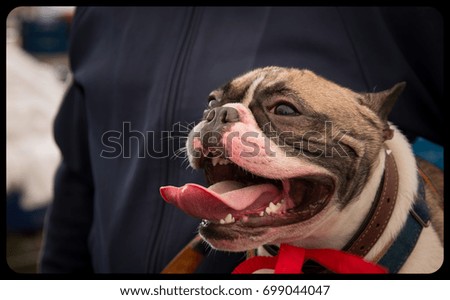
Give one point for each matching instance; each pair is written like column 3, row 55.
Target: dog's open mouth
column 237, row 196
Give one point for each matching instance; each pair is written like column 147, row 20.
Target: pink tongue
column 220, row 199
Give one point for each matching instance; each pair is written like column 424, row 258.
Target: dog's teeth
column 272, row 207
column 228, row 219
column 282, row 201
column 279, row 208
column 261, row 214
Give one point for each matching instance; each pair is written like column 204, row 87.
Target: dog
column 293, row 158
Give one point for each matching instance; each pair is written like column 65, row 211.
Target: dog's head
column 280, row 148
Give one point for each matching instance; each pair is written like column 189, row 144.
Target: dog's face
column 281, row 149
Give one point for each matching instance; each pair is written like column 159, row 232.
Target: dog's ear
column 383, row 102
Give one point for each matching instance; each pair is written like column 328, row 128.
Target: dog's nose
column 222, row 115
column 216, row 119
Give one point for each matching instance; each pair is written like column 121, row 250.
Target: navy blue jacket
column 138, row 71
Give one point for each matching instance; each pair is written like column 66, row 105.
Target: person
column 138, row 71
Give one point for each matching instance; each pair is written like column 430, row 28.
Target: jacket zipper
column 176, row 75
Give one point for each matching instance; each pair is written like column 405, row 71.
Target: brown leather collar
column 380, row 213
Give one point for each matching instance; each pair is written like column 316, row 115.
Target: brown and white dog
column 294, row 158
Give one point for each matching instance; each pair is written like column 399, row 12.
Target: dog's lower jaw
column 222, row 238
column 235, row 243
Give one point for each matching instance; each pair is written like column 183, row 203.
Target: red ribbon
column 290, row 260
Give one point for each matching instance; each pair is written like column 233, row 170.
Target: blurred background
column 37, row 70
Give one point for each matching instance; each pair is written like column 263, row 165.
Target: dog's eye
column 285, row 110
